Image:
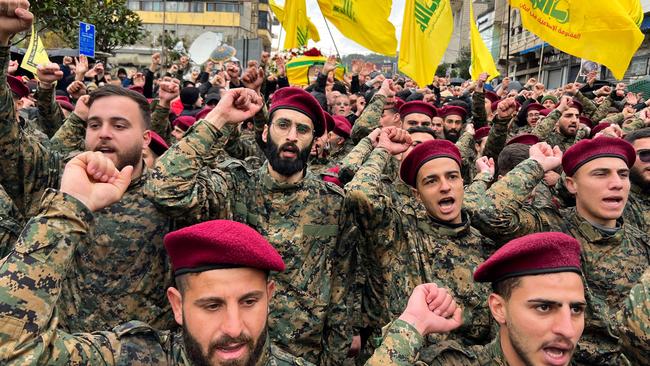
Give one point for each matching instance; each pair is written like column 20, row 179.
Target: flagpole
column 541, row 60
column 508, row 44
column 332, row 37
column 280, row 39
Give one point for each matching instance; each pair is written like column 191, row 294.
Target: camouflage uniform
column 404, row 346
column 637, row 211
column 479, row 114
column 634, row 321
column 545, row 130
column 121, row 270
column 369, row 118
column 10, row 223
column 595, row 112
column 50, row 116
column 302, row 220
column 406, row 249
column 611, row 262
column 31, row 279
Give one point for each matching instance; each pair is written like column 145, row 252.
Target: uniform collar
column 435, row 227
column 273, row 185
column 592, row 234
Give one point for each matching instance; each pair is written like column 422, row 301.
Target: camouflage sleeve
column 547, row 125
column 10, row 223
column 589, row 108
column 473, row 201
column 616, row 119
column 633, row 124
column 497, row 137
column 261, row 119
column 71, row 136
column 365, row 198
column 27, row 166
column 236, row 146
column 504, row 214
column 160, row 122
column 354, row 159
column 479, row 115
column 467, row 146
column 369, row 118
column 634, row 321
column 30, row 279
column 603, row 109
column 50, row 116
column 399, row 347
column 182, row 185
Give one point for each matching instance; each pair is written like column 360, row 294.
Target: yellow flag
column 426, row 31
column 634, row 9
column 279, row 13
column 303, row 70
column 36, row 54
column 482, row 60
column 363, row 21
column 296, row 24
column 597, row 30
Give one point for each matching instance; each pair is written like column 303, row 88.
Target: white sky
column 344, row 45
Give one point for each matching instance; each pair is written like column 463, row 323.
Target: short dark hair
column 643, row 133
column 511, row 156
column 118, row 91
column 422, row 129
column 504, row 287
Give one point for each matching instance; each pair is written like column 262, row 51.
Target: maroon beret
column 157, row 144
column 329, row 121
column 219, row 244
column 137, row 89
column 600, row 147
column 586, row 121
column 449, row 110
column 423, row 153
column 576, row 104
column 62, row 98
column 65, row 105
column 534, row 107
column 525, row 138
column 342, row 126
column 532, row 254
column 301, row 101
column 417, row 106
column 599, row 127
column 494, row 105
column 545, row 112
column 203, row 112
column 184, row 122
column 481, row 133
column 492, row 96
column 332, row 176
column 399, row 103
column 17, row 86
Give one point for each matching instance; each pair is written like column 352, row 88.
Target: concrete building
column 236, row 20
column 460, row 35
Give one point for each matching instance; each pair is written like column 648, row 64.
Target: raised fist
column 485, row 165
column 394, row 140
column 507, row 108
column 81, row 107
column 167, row 92
column 235, row 106
column 92, row 178
column 76, row 89
column 549, row 158
column 48, row 74
column 431, row 309
column 15, row 17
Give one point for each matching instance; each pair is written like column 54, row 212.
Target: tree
column 115, row 24
column 463, row 63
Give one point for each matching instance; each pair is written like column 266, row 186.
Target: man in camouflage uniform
column 615, row 253
column 381, row 111
column 406, row 247
column 221, row 295
column 298, row 213
column 538, row 299
column 562, row 126
column 10, row 223
column 638, row 211
column 119, row 273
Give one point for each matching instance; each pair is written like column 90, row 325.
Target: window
column 197, row 7
column 223, row 7
column 264, row 21
column 134, row 5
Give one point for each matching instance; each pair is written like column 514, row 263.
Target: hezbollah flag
column 599, row 30
column 363, row 21
column 426, row 32
column 303, row 70
column 634, row 9
column 482, row 60
column 36, row 54
column 296, row 24
column 312, row 32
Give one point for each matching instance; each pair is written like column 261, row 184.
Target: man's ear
column 147, row 138
column 571, row 185
column 270, row 289
column 265, row 134
column 497, row 306
column 176, row 300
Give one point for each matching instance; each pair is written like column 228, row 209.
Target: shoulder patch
column 234, row 164
column 334, row 188
column 133, row 327
column 284, row 358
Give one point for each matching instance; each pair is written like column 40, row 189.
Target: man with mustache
column 223, row 284
column 119, row 273
column 538, row 300
column 299, row 213
column 638, row 211
column 615, row 252
column 453, row 121
column 562, row 126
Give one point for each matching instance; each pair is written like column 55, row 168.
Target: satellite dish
column 203, row 46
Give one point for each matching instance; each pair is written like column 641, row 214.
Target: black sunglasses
column 644, row 155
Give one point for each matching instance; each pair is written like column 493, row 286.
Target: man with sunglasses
column 296, row 211
column 638, row 210
column 615, row 252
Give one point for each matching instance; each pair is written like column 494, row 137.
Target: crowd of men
column 216, row 215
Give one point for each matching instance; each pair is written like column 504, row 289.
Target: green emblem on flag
column 424, row 12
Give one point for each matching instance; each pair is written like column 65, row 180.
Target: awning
column 532, row 49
